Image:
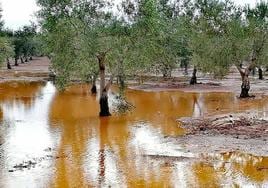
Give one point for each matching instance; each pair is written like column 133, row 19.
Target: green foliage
column 257, row 19
column 6, row 49
column 26, row 42
column 148, row 36
column 220, row 38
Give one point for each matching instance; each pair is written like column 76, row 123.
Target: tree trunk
column 121, row 78
column 21, row 59
column 260, row 73
column 31, row 58
column 253, row 71
column 166, row 71
column 8, row 64
column 245, row 87
column 16, row 62
column 193, row 80
column 94, row 88
column 186, row 69
column 26, row 59
column 104, row 106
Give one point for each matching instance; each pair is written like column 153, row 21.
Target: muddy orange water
column 52, row 139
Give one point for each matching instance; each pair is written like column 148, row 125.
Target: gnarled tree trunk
column 104, row 106
column 245, row 87
column 16, row 61
column 193, row 80
column 21, row 59
column 94, row 87
column 260, row 73
column 8, row 64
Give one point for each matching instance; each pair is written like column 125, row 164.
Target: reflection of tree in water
column 75, row 115
column 231, row 169
column 12, row 93
column 253, row 168
column 22, row 92
column 103, row 142
column 205, row 175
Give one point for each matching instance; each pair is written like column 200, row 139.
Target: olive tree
column 221, row 39
column 6, row 51
column 257, row 19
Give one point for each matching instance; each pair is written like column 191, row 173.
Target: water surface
column 73, row 147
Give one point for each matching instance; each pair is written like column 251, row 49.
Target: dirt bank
column 34, row 70
column 206, row 83
column 243, row 132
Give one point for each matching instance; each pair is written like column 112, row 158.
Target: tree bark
column 8, row 64
column 245, row 87
column 104, row 106
column 260, row 73
column 21, row 59
column 166, row 71
column 193, row 80
column 94, row 87
column 16, row 62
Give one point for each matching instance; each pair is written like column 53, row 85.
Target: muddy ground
column 35, row 70
column 243, row 132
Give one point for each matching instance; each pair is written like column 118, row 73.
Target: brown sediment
column 35, row 70
column 237, row 125
column 241, row 132
column 167, row 86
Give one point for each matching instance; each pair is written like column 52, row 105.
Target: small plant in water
column 121, row 105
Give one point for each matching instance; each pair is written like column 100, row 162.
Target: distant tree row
column 20, row 45
column 137, row 37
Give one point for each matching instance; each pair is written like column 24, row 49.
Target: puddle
column 120, row 151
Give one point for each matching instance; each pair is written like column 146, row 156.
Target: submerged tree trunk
column 94, row 87
column 16, row 62
column 21, row 59
column 104, row 106
column 193, row 80
column 8, row 64
column 260, row 73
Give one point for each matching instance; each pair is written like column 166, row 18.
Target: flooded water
column 52, row 139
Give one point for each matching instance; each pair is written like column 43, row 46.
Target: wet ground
column 52, row 139
column 34, row 70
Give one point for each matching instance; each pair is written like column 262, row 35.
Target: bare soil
column 242, row 132
column 236, row 125
column 206, row 83
column 34, row 70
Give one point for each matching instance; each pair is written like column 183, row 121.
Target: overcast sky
column 17, row 13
